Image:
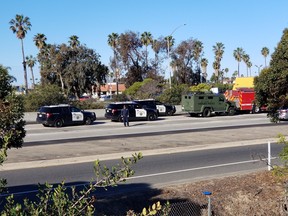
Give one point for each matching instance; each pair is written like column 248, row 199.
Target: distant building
column 111, row 88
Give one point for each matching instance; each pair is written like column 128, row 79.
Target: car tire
column 169, row 113
column 231, row 111
column 206, row 112
column 88, row 121
column 58, row 123
column 151, row 117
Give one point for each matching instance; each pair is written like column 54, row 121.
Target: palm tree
column 238, row 53
column 112, row 42
column 170, row 42
column 265, row 53
column 74, row 42
column 31, row 61
column 40, row 41
column 198, row 47
column 218, row 50
column 20, row 25
column 246, row 59
column 146, row 39
column 249, row 65
column 204, row 64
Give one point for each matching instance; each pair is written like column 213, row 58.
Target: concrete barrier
column 30, row 117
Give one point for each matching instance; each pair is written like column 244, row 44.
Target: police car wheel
column 169, row 113
column 88, row 121
column 151, row 117
column 120, row 119
column 58, row 123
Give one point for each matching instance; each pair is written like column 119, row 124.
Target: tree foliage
column 131, row 56
column 74, row 67
column 271, row 85
column 11, row 114
column 11, row 118
column 149, row 88
column 185, row 62
column 173, row 95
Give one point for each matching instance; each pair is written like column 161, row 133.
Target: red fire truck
column 244, row 99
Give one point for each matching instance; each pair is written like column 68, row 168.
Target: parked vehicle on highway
column 204, row 104
column 283, row 113
column 163, row 109
column 136, row 111
column 64, row 114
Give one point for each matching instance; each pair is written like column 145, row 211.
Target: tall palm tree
column 204, row 64
column 265, row 53
column 40, row 41
column 218, row 50
column 198, row 48
column 73, row 41
column 146, row 39
column 20, row 25
column 238, row 53
column 170, row 42
column 112, row 42
column 246, row 60
column 31, row 61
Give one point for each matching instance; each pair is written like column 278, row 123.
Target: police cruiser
column 136, row 111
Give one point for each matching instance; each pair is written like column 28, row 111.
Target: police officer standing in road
column 125, row 115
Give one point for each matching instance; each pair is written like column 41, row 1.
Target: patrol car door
column 131, row 112
column 77, row 115
column 66, row 115
column 160, row 107
column 139, row 111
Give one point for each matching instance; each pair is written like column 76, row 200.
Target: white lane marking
column 198, row 168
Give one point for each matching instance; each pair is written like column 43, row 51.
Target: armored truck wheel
column 206, row 112
column 231, row 111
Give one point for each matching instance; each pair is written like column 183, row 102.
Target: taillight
column 49, row 115
column 114, row 111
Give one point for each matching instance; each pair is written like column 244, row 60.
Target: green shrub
column 43, row 95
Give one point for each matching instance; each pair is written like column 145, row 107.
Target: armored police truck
column 204, row 104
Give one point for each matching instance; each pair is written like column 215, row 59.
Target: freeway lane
column 37, row 133
column 152, row 171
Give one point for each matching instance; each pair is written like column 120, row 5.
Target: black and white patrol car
column 59, row 115
column 136, row 111
column 163, row 109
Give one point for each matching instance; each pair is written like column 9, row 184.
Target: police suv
column 162, row 109
column 64, row 114
column 136, row 111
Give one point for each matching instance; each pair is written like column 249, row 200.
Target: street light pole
column 168, row 52
column 259, row 67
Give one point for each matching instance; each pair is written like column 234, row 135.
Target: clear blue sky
column 250, row 24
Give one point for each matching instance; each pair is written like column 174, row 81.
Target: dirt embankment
column 258, row 193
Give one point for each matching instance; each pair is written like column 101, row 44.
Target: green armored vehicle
column 204, row 104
